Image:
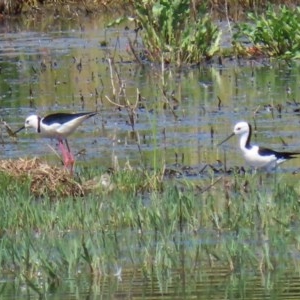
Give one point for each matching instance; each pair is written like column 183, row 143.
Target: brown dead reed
column 45, row 180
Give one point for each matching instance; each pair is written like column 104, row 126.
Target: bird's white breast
column 255, row 160
column 51, row 131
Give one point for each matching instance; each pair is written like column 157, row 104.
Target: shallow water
column 40, row 74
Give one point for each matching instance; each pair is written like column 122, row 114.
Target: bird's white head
column 241, row 128
column 32, row 121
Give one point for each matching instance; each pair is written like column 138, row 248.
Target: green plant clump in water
column 173, row 32
column 169, row 27
column 276, row 32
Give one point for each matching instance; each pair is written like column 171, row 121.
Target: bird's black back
column 62, row 118
column 285, row 155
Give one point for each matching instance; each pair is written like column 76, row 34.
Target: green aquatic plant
column 274, row 32
column 174, row 32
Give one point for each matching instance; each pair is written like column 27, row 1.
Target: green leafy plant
column 275, row 33
column 174, row 32
column 169, row 28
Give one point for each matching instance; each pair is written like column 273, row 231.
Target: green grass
column 237, row 224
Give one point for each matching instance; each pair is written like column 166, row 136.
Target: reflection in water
column 202, row 278
column 179, row 117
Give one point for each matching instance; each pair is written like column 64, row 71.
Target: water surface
column 40, row 74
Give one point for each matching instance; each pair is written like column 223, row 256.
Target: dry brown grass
column 44, row 178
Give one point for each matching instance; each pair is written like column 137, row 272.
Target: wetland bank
column 177, row 216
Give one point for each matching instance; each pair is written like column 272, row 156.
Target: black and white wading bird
column 256, row 156
column 58, row 126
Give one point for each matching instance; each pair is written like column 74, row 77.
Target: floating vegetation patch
column 44, row 178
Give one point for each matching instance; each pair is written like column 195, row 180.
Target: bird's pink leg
column 64, row 151
column 68, row 158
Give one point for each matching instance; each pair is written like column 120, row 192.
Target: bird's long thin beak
column 23, row 127
column 226, row 139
